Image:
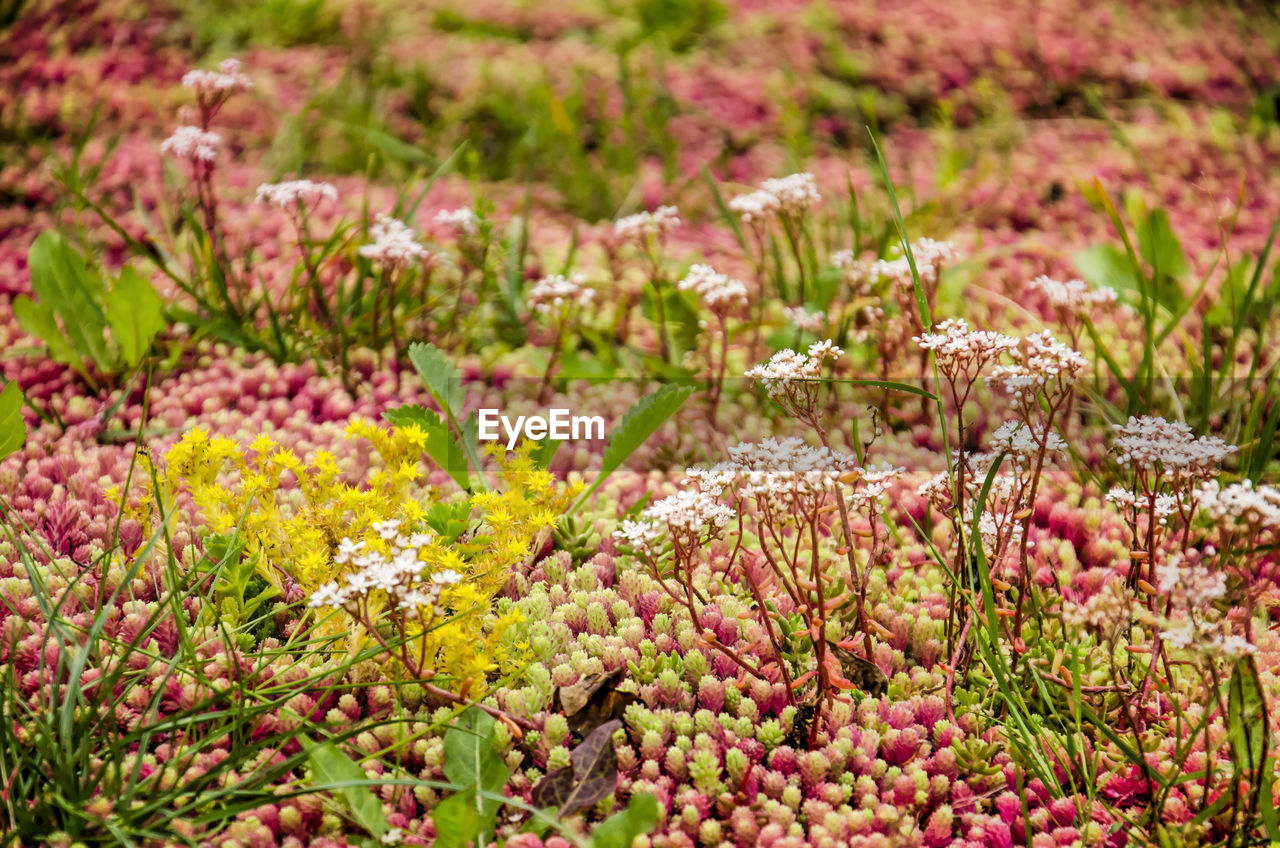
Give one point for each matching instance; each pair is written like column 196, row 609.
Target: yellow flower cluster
column 292, row 516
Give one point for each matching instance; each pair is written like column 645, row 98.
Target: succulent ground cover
column 932, row 347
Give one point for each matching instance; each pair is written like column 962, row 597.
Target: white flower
column 192, row 143
column 1243, row 503
column 719, row 292
column 462, row 220
column 786, row 366
column 1150, row 443
column 393, row 245
column 641, row 535
column 802, row 320
column 556, row 292
column 778, row 473
column 645, row 225
column 1040, row 359
column 223, row 82
column 794, row 193
column 397, row 574
column 755, row 207
column 928, row 254
column 1022, row 444
column 961, row 351
column 1074, row 296
column 686, row 513
column 295, row 193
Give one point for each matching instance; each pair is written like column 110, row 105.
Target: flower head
column 787, row 366
column 719, row 292
column 295, row 193
column 1151, row 443
column 224, row 82
column 643, row 226
column 462, row 220
column 804, row 320
column 192, row 143
column 553, row 293
column 1074, row 297
column 393, row 244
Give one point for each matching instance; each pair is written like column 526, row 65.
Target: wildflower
column 1044, row 365
column 222, row 83
column 1106, row 611
column 396, row 574
column 393, row 245
column 719, row 292
column 639, row 535
column 778, row 473
column 1243, row 503
column 295, row 193
column 556, row 292
column 1149, row 443
column 689, row 511
column 928, row 254
column 755, row 207
column 802, row 320
column 794, row 193
column 1073, row 297
column 1162, row 507
column 787, row 366
column 192, row 143
column 642, row 226
column 1022, row 442
column 462, row 220
column 961, row 351
column 874, row 482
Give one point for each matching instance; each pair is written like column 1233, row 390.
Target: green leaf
column 457, row 820
column 59, row 277
column 13, row 430
column 470, row 760
column 442, row 446
column 442, row 378
column 135, row 313
column 642, row 419
column 331, row 767
column 38, row 319
column 1105, row 265
column 620, row 829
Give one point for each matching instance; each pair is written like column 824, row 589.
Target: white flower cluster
column 1163, row 507
column 393, row 245
column 791, row 195
column 1040, row 359
column 780, row 472
column 1074, row 296
column 787, row 366
column 1021, row 443
column 1106, row 610
column 398, row 573
column 462, row 220
column 1255, row 507
column 192, row 143
column 719, row 292
column 795, row 193
column 294, row 193
column 1209, row 640
column 873, row 484
column 929, row 256
column 687, row 516
column 1150, row 443
column 642, row 226
column 803, row 320
column 997, row 530
column 556, row 292
column 961, row 351
column 1201, row 585
column 225, row 81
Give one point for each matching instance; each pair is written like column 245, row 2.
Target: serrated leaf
column 443, row 380
column 620, row 829
column 442, row 446
column 13, row 430
column 329, row 766
column 641, row 421
column 59, row 277
column 470, row 759
column 135, row 313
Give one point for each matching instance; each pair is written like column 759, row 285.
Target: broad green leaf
column 38, row 320
column 457, row 820
column 442, row 378
column 59, row 277
column 1106, row 265
column 620, row 829
column 470, row 760
column 13, row 430
column 442, row 446
column 1158, row 245
column 331, row 767
column 135, row 313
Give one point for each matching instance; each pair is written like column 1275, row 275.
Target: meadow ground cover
column 934, row 349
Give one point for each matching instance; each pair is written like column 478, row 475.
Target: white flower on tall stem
column 463, row 220
column 193, row 144
column 295, row 194
column 393, row 246
column 555, row 297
